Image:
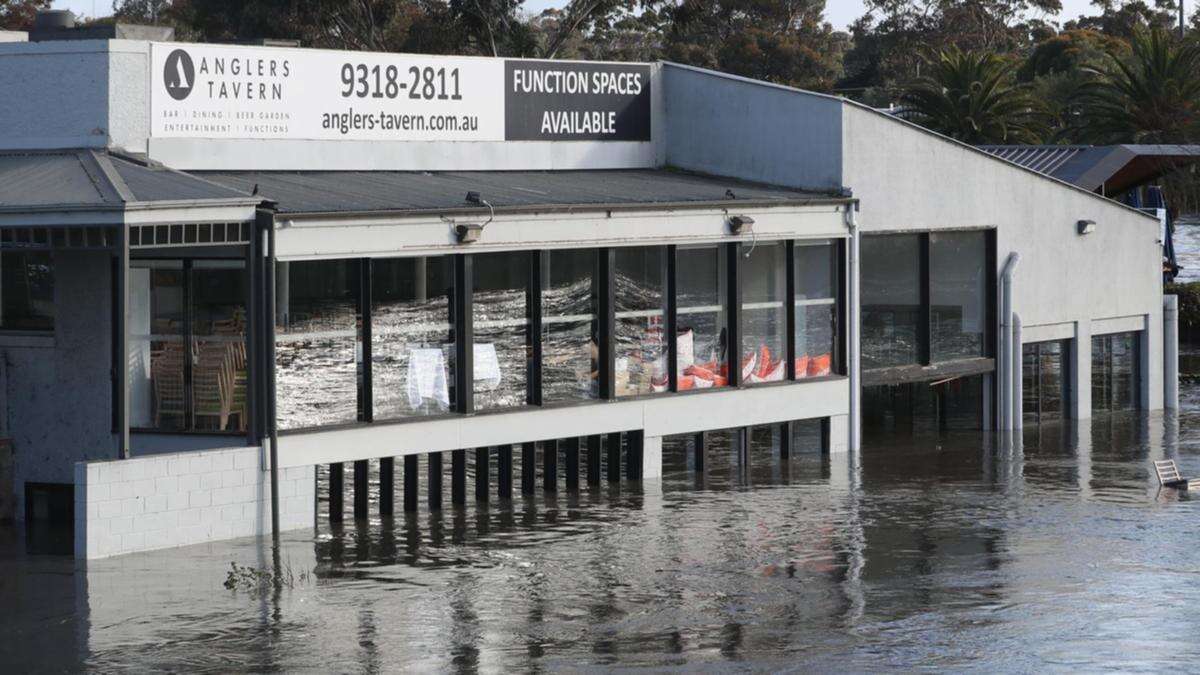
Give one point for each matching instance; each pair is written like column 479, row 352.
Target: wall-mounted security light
column 1085, row 227
column 467, row 233
column 741, row 225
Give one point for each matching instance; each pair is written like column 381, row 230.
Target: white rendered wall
column 164, row 501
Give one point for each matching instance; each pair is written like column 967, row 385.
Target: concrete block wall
column 164, row 501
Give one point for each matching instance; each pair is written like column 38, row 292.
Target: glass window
column 1116, row 370
column 412, row 336
column 764, row 315
column 640, row 298
column 26, row 291
column 1044, row 381
column 157, row 345
column 891, row 300
column 317, row 343
column 502, row 339
column 816, row 308
column 218, row 323
column 958, row 294
column 701, row 318
column 569, row 326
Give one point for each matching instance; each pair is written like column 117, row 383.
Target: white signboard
column 234, row 92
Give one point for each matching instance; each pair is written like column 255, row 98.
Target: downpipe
column 854, row 320
column 1005, row 367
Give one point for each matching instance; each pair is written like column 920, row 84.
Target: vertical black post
column 924, row 324
column 121, row 333
column 993, row 319
column 336, row 492
column 571, row 454
column 410, row 483
column 434, row 489
column 672, row 319
column 481, row 474
column 606, row 318
column 464, row 336
column 387, row 485
column 789, row 303
column 826, row 437
column 538, row 261
column 458, row 477
column 362, row 488
column 271, row 403
column 528, row 468
column 593, row 459
column 366, row 394
column 189, row 302
column 504, row 467
column 550, row 466
column 841, row 288
column 613, row 446
column 253, row 333
column 744, row 435
column 787, row 431
column 733, row 350
column 633, row 453
column 698, row 442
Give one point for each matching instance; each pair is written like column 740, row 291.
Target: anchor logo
column 179, row 75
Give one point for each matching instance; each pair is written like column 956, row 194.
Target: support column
column 1171, row 352
column 336, row 492
column 528, row 468
column 550, row 466
column 593, row 459
column 613, row 443
column 387, row 485
column 835, row 432
column 787, row 431
column 1081, row 371
column 362, row 489
column 634, row 451
column 741, row 442
column 699, row 440
column 504, row 467
column 481, row 474
column 458, row 477
column 651, row 468
column 410, row 483
column 571, row 455
column 434, row 489
column 121, row 334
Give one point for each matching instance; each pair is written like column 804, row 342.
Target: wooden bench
column 1168, row 474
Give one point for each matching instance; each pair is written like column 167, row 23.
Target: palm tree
column 973, row 97
column 1152, row 95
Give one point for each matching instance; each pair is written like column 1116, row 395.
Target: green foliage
column 974, row 97
column 1151, row 95
column 19, row 14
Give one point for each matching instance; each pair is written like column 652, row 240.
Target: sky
column 839, row 12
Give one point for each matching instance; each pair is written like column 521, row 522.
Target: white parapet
column 169, row 500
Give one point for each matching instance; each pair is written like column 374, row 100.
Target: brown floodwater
column 962, row 552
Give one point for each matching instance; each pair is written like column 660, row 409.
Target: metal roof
column 95, row 179
column 1111, row 169
column 409, row 191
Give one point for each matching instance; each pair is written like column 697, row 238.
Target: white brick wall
column 163, row 501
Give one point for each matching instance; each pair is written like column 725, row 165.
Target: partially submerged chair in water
column 1168, row 474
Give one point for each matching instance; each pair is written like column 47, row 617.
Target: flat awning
column 414, row 192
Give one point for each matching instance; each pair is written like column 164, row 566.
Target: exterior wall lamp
column 469, row 233
column 1085, row 227
column 741, row 225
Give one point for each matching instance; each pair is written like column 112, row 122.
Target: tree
column 1121, row 18
column 19, row 14
column 972, row 96
column 1151, row 95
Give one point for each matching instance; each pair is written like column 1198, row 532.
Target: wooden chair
column 166, row 372
column 1168, row 474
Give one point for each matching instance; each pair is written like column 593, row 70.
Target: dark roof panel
column 1111, row 168
column 156, row 184
column 343, row 191
column 44, row 179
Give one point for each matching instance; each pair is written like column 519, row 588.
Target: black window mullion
column 733, row 342
column 253, row 295
column 606, row 317
column 539, row 262
column 841, row 290
column 672, row 319
column 789, row 303
column 366, row 388
column 189, row 398
column 464, row 335
column 924, row 324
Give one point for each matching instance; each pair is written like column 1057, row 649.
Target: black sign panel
column 570, row 101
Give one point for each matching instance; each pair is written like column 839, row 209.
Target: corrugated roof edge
column 861, row 106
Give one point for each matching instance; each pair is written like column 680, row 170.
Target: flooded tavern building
column 224, row 266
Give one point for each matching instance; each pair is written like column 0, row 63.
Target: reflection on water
column 948, row 551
